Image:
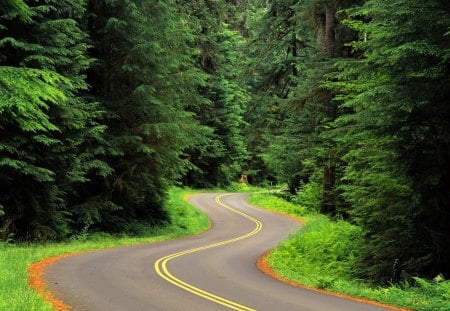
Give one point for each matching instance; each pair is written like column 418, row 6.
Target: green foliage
column 217, row 159
column 270, row 201
column 272, row 69
column 182, row 215
column 144, row 77
column 16, row 294
column 397, row 160
column 309, row 196
column 104, row 104
column 290, row 63
column 350, row 102
column 15, row 9
column 322, row 248
column 242, row 187
column 26, row 95
column 47, row 126
column 324, row 253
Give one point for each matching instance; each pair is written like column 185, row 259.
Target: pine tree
column 46, row 124
column 274, row 44
column 313, row 101
column 296, row 47
column 395, row 125
column 217, row 161
column 145, row 79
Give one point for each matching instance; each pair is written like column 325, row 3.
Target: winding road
column 212, row 271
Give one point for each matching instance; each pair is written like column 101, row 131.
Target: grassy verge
column 240, row 187
column 15, row 294
column 322, row 256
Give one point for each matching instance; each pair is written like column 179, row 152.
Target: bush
column 272, row 202
column 323, row 255
column 323, row 248
column 310, row 196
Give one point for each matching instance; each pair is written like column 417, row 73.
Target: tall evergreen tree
column 145, row 78
column 218, row 160
column 296, row 47
column 46, row 125
column 396, row 127
column 273, row 46
column 312, row 100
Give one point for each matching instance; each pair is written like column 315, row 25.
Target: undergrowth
column 323, row 253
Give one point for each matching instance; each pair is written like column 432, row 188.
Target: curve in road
column 218, row 266
column 163, row 272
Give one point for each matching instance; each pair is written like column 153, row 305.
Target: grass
column 241, row 187
column 15, row 259
column 322, row 255
column 274, row 203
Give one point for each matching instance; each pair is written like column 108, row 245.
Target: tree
column 145, row 79
column 273, row 47
column 46, row 124
column 217, row 160
column 395, row 123
column 295, row 47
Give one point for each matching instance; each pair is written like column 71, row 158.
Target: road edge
column 36, row 271
column 263, row 265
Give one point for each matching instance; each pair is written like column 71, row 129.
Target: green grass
column 241, row 187
column 274, row 203
column 15, row 294
column 323, row 253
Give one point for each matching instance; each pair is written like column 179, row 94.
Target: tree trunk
column 326, row 24
column 294, row 55
column 327, row 46
column 328, row 205
column 329, row 35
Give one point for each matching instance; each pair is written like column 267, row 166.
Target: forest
column 106, row 104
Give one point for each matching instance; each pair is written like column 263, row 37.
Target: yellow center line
column 163, row 272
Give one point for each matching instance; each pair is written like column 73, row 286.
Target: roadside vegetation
column 323, row 255
column 15, row 259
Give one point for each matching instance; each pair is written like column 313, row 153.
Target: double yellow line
column 163, row 272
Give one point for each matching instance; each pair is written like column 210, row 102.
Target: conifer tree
column 145, row 79
column 217, row 161
column 396, row 129
column 46, row 124
column 297, row 45
column 273, row 46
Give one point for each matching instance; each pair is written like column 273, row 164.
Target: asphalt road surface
column 215, row 270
